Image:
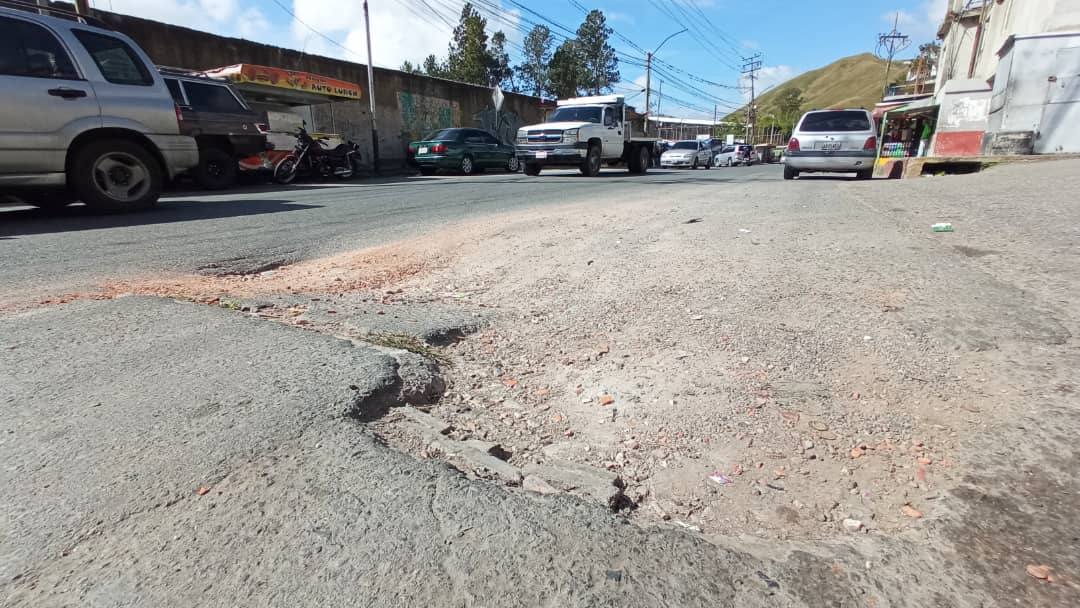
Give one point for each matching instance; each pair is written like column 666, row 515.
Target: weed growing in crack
column 409, row 343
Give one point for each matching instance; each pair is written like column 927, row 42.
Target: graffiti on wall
column 505, row 128
column 421, row 114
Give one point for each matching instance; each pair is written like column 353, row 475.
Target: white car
column 832, row 141
column 689, row 153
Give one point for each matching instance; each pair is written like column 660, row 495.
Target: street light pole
column 371, row 94
column 648, row 77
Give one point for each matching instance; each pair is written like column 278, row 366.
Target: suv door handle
column 67, row 93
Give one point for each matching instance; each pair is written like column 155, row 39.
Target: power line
column 750, row 67
column 890, row 44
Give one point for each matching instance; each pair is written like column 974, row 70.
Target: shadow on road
column 23, row 222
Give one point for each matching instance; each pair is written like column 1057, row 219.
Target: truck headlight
column 570, row 135
column 523, row 135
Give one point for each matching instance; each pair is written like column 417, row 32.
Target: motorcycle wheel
column 285, row 172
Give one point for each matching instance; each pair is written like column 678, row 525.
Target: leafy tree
column 433, row 67
column 499, row 70
column 789, row 103
column 565, row 73
column 408, row 67
column 468, row 59
column 599, row 64
column 533, row 73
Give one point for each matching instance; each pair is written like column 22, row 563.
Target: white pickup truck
column 584, row 132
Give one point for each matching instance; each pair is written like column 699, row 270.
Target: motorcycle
column 312, row 157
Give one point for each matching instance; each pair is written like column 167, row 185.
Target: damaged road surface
column 707, row 389
column 160, row 453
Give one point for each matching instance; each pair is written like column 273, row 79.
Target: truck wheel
column 590, row 167
column 639, row 161
column 217, row 169
column 533, row 168
column 790, row 173
column 427, row 170
column 116, row 175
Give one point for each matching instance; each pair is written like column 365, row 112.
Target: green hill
column 851, row 82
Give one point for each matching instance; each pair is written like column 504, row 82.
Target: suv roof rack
column 166, row 70
column 62, row 13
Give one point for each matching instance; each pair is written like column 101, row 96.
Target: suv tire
column 49, row 199
column 427, row 170
column 590, row 167
column 533, row 168
column 115, row 175
column 217, row 169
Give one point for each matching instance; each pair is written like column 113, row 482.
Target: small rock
column 532, row 483
column 852, row 525
column 607, row 400
column 924, row 460
column 660, row 454
column 817, row 425
column 808, row 445
column 746, row 359
column 857, row 452
column 911, row 511
column 632, row 444
column 1039, row 572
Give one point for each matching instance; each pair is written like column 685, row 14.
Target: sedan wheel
column 467, row 166
column 513, row 165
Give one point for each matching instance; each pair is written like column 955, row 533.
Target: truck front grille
column 549, row 136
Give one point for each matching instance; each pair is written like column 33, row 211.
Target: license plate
column 422, row 150
column 830, row 145
column 541, row 155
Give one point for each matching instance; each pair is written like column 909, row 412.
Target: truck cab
column 584, row 132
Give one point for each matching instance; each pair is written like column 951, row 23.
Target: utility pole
column 648, row 78
column 371, row 94
column 750, row 67
column 888, row 46
column 712, row 130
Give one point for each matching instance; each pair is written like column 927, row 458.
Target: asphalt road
column 49, row 253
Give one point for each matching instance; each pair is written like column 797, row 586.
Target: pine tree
column 565, row 74
column 533, row 73
column 499, row 72
column 600, row 66
column 468, row 59
column 433, row 67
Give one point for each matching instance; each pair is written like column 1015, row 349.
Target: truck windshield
column 685, row 145
column 576, row 114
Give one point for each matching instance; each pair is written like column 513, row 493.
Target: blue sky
column 793, row 36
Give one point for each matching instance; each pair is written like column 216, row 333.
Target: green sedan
column 466, row 151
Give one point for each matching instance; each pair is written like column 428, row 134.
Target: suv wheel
column 533, row 168
column 217, row 169
column 115, row 175
column 48, row 199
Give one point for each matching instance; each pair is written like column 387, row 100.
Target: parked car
column 85, row 116
column 692, row 153
column 221, row 122
column 726, row 157
column 832, row 140
column 466, row 151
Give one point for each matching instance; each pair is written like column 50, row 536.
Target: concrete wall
column 1004, row 18
column 1037, row 89
column 962, row 120
column 407, row 106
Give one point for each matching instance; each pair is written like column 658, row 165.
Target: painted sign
column 246, row 73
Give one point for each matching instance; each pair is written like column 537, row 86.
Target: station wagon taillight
column 793, row 145
column 438, row 148
column 412, row 149
column 871, row 143
column 179, row 117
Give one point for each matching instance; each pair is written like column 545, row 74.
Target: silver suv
column 832, row 141
column 85, row 116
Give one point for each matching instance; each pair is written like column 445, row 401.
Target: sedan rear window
column 444, row 135
column 840, row 120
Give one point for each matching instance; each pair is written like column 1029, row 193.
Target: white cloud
column 922, row 24
column 767, row 77
column 224, row 17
